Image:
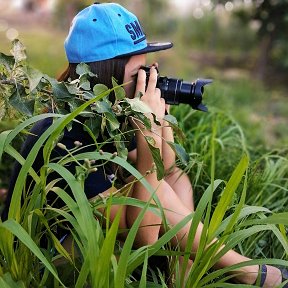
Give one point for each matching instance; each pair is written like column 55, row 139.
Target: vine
column 26, row 92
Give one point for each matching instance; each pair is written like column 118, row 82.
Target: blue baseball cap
column 106, row 31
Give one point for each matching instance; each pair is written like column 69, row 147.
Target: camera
column 176, row 91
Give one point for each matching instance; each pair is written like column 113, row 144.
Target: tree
column 272, row 17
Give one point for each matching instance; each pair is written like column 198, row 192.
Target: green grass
column 236, row 224
column 238, row 166
column 261, row 111
column 267, row 177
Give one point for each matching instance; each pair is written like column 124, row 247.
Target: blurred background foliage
column 240, row 44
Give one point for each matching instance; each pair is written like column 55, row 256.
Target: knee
column 146, row 236
column 148, row 230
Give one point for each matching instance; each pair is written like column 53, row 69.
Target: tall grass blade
column 121, row 272
column 25, row 238
column 85, row 216
column 227, row 196
column 84, row 273
column 6, row 281
column 104, row 260
column 143, row 282
column 197, row 217
column 18, row 157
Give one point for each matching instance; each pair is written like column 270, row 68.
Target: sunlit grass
column 267, row 178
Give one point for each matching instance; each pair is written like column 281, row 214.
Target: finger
column 155, row 64
column 163, row 104
column 167, row 107
column 158, row 93
column 141, row 82
column 152, row 80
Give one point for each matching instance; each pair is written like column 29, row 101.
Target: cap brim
column 151, row 47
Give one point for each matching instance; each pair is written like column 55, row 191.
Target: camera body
column 176, row 91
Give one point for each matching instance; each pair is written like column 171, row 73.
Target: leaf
column 75, row 103
column 6, row 281
column 180, row 152
column 171, row 119
column 18, row 51
column 99, row 89
column 72, row 87
column 227, row 195
column 7, row 61
column 143, row 280
column 88, row 95
column 103, row 107
column 103, row 126
column 174, row 125
column 94, row 124
column 156, row 120
column 57, row 244
column 138, row 106
column 145, row 120
column 118, row 90
column 277, row 218
column 138, row 95
column 156, row 157
column 80, row 174
column 26, row 239
column 34, row 76
column 84, row 83
column 26, row 107
column 112, row 121
column 59, row 89
column 83, row 69
column 106, row 252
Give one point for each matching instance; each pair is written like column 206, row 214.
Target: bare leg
column 148, row 232
column 175, row 213
column 173, row 200
column 180, row 183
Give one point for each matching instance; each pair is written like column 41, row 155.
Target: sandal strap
column 284, row 273
column 263, row 274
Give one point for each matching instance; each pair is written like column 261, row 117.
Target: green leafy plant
column 28, row 92
column 97, row 258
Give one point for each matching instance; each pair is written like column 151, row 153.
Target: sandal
column 263, row 275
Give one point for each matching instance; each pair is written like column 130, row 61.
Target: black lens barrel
column 176, row 91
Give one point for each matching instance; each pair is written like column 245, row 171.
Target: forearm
column 145, row 163
column 148, row 231
column 144, row 159
column 151, row 96
column 168, row 155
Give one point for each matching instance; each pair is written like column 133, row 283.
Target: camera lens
column 176, row 91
